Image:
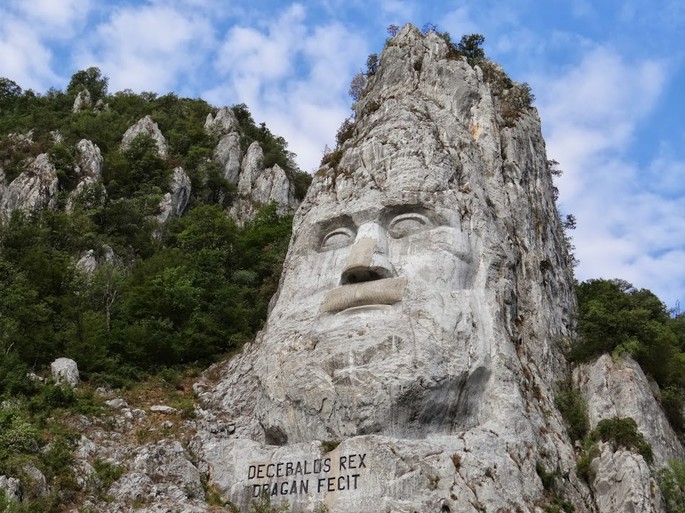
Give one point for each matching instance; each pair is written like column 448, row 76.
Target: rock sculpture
column 406, row 364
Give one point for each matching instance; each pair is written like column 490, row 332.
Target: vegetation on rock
column 615, row 317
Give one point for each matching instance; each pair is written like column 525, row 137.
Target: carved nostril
column 359, row 275
column 363, row 274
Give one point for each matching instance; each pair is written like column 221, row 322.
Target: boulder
column 65, row 370
column 11, row 487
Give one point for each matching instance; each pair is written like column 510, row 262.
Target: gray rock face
column 174, row 203
column 223, row 123
column 89, row 170
column 620, row 389
column 160, row 470
column 65, row 370
column 227, row 154
column 146, row 126
column 90, row 160
column 83, row 101
column 623, row 483
column 408, row 325
column 258, row 186
column 11, row 488
column 34, row 189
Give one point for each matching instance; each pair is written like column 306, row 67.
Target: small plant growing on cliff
column 672, row 484
column 620, row 432
column 573, row 409
column 623, row 432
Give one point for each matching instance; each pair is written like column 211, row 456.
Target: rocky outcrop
column 65, row 370
column 160, row 470
column 258, row 187
column 89, row 160
column 89, row 163
column 82, row 101
column 619, row 388
column 224, row 122
column 11, row 487
column 622, row 482
column 228, row 155
column 174, row 203
column 406, row 363
column 34, row 189
column 146, row 126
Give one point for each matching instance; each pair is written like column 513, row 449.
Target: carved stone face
column 374, row 326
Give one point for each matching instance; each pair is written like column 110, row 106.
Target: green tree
column 90, row 79
column 472, row 47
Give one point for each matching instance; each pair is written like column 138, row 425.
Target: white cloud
column 294, row 76
column 147, row 48
column 55, row 19
column 25, row 58
column 629, row 221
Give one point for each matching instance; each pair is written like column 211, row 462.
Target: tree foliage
column 615, row 317
column 173, row 295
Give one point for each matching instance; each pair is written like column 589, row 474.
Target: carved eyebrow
column 393, row 211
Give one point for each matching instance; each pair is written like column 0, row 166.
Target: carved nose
column 368, row 260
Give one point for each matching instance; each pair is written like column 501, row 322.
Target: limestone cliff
column 411, row 356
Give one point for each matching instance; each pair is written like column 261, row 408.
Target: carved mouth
column 377, row 292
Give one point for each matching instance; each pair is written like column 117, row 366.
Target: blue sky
column 608, row 75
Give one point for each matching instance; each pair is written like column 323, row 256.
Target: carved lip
column 378, row 292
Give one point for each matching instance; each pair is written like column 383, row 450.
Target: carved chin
column 378, row 292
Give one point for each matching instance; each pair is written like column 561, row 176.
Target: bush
column 623, row 432
column 573, row 410
column 672, row 484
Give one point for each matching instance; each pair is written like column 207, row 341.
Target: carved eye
column 338, row 238
column 408, row 224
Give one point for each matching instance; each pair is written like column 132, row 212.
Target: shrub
column 623, row 432
column 672, row 484
column 573, row 409
column 345, row 131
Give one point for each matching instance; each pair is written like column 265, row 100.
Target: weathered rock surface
column 174, row 203
column 620, row 389
column 146, row 126
column 82, row 101
column 65, row 370
column 436, row 240
column 228, row 155
column 90, row 160
column 34, row 189
column 89, row 171
column 258, row 187
column 160, row 469
column 623, row 483
column 222, row 123
column 11, row 487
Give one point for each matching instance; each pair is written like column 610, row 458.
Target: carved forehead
column 375, row 205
